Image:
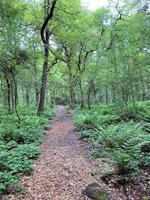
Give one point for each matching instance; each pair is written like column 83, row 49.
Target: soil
column 65, row 168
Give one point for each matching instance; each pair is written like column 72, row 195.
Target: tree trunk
column 27, row 97
column 81, row 94
column 45, row 35
column 71, row 85
column 12, row 97
column 93, row 91
column 89, row 94
column 15, row 96
column 36, row 96
column 8, row 95
column 106, row 94
column 44, row 75
column 36, row 88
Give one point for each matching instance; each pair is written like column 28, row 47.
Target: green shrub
column 115, row 136
column 20, row 165
column 126, row 160
column 91, row 134
column 20, row 135
column 126, row 142
column 85, row 121
column 92, row 121
column 144, row 110
column 123, row 142
column 30, row 151
column 7, row 180
column 33, row 121
column 103, row 109
column 107, row 119
column 4, row 156
column 19, row 145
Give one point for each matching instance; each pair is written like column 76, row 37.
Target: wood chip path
column 62, row 171
column 64, row 167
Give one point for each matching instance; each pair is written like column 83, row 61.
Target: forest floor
column 64, row 168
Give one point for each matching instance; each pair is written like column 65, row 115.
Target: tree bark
column 8, row 94
column 15, row 96
column 81, row 94
column 27, row 97
column 12, row 97
column 44, row 75
column 45, row 35
column 71, row 86
column 89, row 94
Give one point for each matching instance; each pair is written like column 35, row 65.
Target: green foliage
column 20, row 135
column 18, row 146
column 144, row 110
column 7, row 180
column 126, row 160
column 140, row 112
column 91, row 134
column 98, row 115
column 85, row 121
column 99, row 53
column 126, row 143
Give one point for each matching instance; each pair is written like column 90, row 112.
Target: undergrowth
column 123, row 137
column 19, row 145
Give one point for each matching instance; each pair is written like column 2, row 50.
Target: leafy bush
column 85, row 121
column 30, row 151
column 7, row 180
column 91, row 134
column 108, row 119
column 126, row 143
column 115, row 136
column 18, row 146
column 103, row 109
column 91, row 119
column 144, row 110
column 126, row 161
column 34, row 121
column 123, row 142
column 20, row 135
column 3, row 160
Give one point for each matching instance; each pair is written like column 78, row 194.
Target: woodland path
column 64, row 167
column 62, row 170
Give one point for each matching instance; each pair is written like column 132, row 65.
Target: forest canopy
column 103, row 54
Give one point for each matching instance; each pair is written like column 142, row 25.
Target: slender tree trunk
column 8, row 95
column 15, row 96
column 71, row 85
column 27, row 97
column 12, row 97
column 93, row 90
column 44, row 75
column 45, row 35
column 36, row 96
column 106, row 94
column 143, row 88
column 36, row 88
column 113, row 92
column 81, row 94
column 89, row 94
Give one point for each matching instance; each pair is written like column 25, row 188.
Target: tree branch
column 47, row 19
column 53, row 64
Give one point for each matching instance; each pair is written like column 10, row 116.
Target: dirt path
column 62, row 170
column 64, row 167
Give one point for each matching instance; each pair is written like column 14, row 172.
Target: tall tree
column 45, row 36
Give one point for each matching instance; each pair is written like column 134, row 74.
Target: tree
column 45, row 36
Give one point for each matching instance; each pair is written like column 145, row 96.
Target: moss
column 95, row 192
